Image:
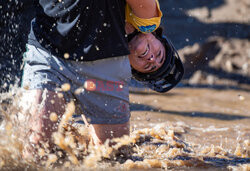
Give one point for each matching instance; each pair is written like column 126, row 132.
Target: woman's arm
column 144, row 15
column 144, row 8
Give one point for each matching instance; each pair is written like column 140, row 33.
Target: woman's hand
column 129, row 28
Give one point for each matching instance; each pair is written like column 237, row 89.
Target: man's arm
column 144, row 8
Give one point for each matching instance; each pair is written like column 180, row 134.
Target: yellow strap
column 141, row 24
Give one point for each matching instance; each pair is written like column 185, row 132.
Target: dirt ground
column 212, row 39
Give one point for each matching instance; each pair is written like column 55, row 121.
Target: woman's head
column 147, row 52
column 154, row 60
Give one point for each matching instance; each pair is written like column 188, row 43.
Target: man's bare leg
column 38, row 105
column 101, row 132
column 41, row 104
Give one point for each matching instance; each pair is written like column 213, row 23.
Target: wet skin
column 147, row 53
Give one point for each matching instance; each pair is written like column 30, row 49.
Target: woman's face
column 147, row 53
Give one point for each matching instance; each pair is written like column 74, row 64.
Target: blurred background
column 15, row 17
column 212, row 38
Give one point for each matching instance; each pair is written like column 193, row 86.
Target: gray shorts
column 107, row 104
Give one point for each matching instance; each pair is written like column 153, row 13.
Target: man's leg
column 42, row 104
column 101, row 132
column 38, row 105
column 108, row 131
column 106, row 109
column 45, row 71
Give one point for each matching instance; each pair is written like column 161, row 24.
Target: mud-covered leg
column 42, row 110
column 102, row 132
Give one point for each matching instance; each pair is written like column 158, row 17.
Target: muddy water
column 209, row 113
column 185, row 129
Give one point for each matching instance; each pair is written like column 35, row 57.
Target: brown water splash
column 161, row 145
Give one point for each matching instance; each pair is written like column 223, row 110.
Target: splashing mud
column 165, row 134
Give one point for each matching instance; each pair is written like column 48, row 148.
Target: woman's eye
column 159, row 53
column 145, row 53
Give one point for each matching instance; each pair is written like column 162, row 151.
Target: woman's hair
column 158, row 33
